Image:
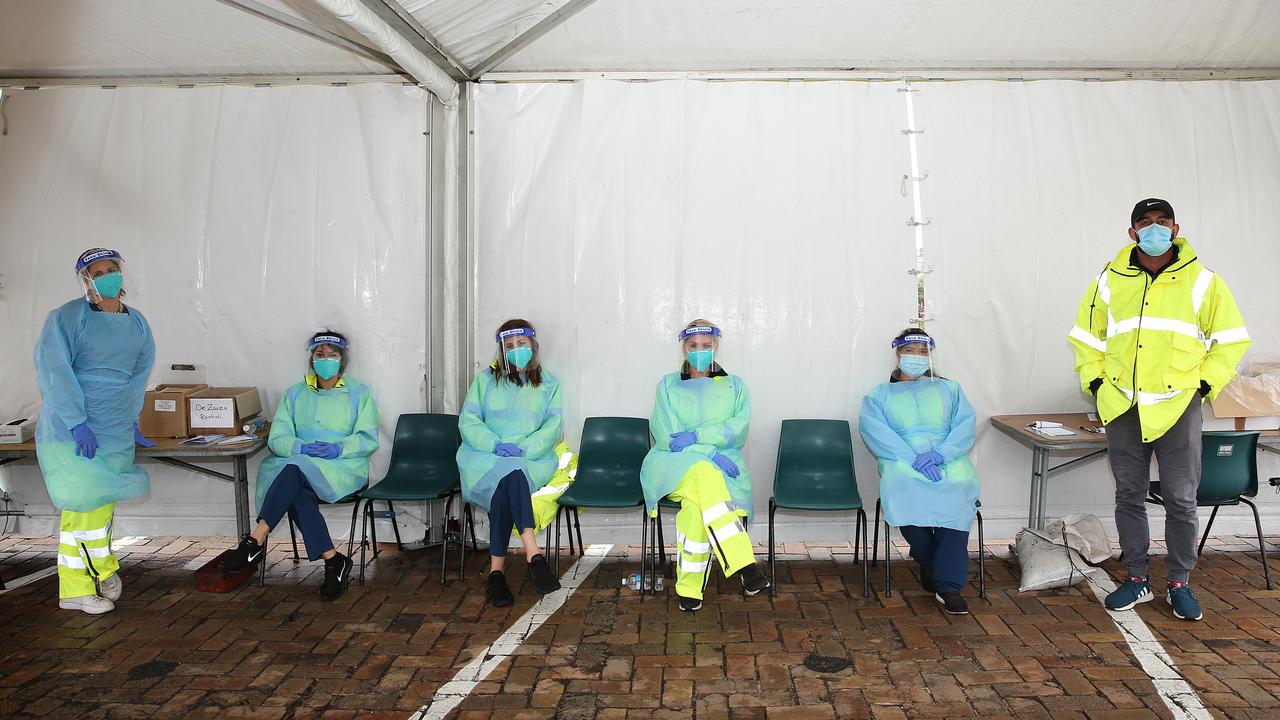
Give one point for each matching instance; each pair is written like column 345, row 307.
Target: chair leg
column 645, row 520
column 293, row 537
column 662, row 542
column 569, row 526
column 364, row 535
column 982, row 561
column 857, row 537
column 262, row 564
column 395, row 527
column 351, row 537
column 444, row 541
column 875, row 539
column 471, row 523
column 373, row 532
column 773, row 558
column 577, row 525
column 888, row 549
column 462, row 539
column 559, row 512
column 866, row 564
column 1207, row 527
column 1262, row 547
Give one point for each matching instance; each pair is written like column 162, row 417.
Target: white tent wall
column 249, row 218
column 610, row 213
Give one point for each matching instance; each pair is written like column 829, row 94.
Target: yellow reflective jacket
column 1152, row 341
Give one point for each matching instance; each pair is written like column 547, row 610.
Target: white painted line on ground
column 452, row 693
column 1176, row 692
column 53, row 569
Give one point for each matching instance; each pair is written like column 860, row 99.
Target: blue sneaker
column 1184, row 603
column 1133, row 591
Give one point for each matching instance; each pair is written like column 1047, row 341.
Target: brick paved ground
column 383, row 649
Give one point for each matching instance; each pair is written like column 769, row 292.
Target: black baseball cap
column 1150, row 204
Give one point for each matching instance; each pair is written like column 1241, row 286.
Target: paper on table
column 236, row 440
column 1041, row 424
column 1054, row 431
column 203, row 440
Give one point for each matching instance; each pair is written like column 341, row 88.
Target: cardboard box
column 17, row 431
column 1249, row 402
column 164, row 411
column 222, row 410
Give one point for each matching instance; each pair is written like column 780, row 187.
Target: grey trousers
column 1178, row 456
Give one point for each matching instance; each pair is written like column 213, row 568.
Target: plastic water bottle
column 254, row 426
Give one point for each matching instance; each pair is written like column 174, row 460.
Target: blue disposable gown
column 501, row 411
column 718, row 410
column 345, row 415
column 900, row 420
column 91, row 367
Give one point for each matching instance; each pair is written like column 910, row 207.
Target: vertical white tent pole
column 918, row 221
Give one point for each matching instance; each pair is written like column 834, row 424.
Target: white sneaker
column 111, row 587
column 92, row 604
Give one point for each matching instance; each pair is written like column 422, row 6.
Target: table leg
column 242, row 494
column 1034, row 501
column 1040, row 469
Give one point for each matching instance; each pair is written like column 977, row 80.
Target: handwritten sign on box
column 213, row 412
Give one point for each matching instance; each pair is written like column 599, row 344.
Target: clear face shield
column 101, row 274
column 326, row 356
column 698, row 347
column 915, row 355
column 517, row 348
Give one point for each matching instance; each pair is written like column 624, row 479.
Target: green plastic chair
column 423, row 467
column 815, row 472
column 609, row 459
column 1229, row 476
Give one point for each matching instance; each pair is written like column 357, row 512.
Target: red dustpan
column 211, row 578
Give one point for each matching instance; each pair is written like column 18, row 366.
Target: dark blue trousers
column 943, row 549
column 290, row 493
column 511, row 506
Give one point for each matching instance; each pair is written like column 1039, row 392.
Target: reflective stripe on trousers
column 84, row 551
column 708, row 523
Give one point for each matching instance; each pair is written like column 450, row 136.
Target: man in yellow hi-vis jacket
column 1155, row 335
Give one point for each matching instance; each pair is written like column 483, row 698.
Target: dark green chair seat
column 815, row 472
column 424, row 468
column 609, row 458
column 1228, row 476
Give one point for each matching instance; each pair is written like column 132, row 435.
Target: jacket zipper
column 1137, row 343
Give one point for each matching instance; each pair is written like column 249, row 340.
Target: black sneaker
column 543, row 579
column 496, row 590
column 246, row 553
column 753, row 581
column 926, row 579
column 952, row 603
column 688, row 604
column 337, row 575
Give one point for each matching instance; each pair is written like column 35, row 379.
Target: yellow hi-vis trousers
column 708, row 522
column 84, row 551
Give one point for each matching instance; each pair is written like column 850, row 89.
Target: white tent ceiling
column 44, row 38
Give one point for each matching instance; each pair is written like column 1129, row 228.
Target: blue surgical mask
column 913, row 365
column 520, row 357
column 700, row 360
column 326, row 368
column 108, row 286
column 1155, row 240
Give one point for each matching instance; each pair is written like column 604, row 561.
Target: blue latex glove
column 508, row 450
column 682, row 440
column 933, row 472
column 726, row 464
column 86, row 441
column 139, row 439
column 322, row 450
column 924, row 460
